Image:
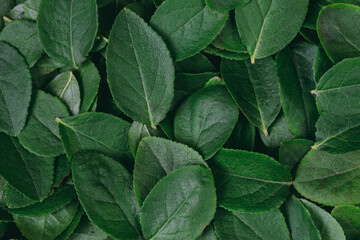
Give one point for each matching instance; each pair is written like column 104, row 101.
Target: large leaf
column 28, row 173
column 180, row 205
column 255, row 89
column 15, row 90
column 338, row 34
column 296, row 80
column 292, row 151
column 299, row 221
column 263, row 226
column 67, row 29
column 67, row 89
column 331, row 179
column 225, row 5
column 206, row 119
column 155, row 159
column 249, row 182
column 23, row 35
column 267, row 26
column 141, row 77
column 329, row 228
column 49, row 226
column 41, row 135
column 105, row 191
column 349, row 219
column 96, row 131
column 187, row 26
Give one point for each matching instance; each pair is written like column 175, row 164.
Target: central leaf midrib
column 258, row 179
column 67, row 84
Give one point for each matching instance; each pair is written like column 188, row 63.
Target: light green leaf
column 67, row 89
column 41, row 135
column 31, row 9
column 206, row 119
column 267, row 26
column 15, row 90
column 67, row 29
column 292, row 151
column 157, row 158
column 28, row 173
column 184, row 203
column 105, row 191
column 255, row 89
column 349, row 219
column 249, row 182
column 225, row 5
column 330, row 179
column 263, row 226
column 141, row 77
column 187, row 26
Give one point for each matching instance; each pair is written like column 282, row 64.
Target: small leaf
column 105, row 191
column 292, row 151
column 330, row 179
column 349, row 219
column 249, row 182
column 206, row 119
column 157, row 158
column 140, row 70
column 31, row 9
column 184, row 201
column 187, row 26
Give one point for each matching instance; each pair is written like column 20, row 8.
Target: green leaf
column 105, row 191
column 206, row 119
column 195, row 64
column 31, row 9
column 329, row 228
column 41, row 135
column 255, row 89
column 322, row 64
column 292, row 151
column 141, row 77
column 187, row 26
column 23, row 35
column 313, row 13
column 67, row 89
column 157, row 158
column 6, row 6
column 14, row 101
column 295, row 71
column 15, row 199
column 73, row 225
column 88, row 78
column 62, row 169
column 28, row 173
column 3, row 228
column 267, row 26
column 299, row 221
column 5, row 216
column 349, row 219
column 2, row 192
column 87, row 231
column 184, row 201
column 67, row 30
column 210, row 49
column 208, row 234
column 61, row 197
column 264, row 226
column 330, row 179
column 49, row 226
column 249, row 182
column 337, row 34
column 243, row 135
column 225, row 5
column 310, row 35
column 96, row 131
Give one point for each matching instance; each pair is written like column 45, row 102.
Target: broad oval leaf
column 105, row 191
column 329, row 228
column 233, row 225
column 225, row 5
column 15, row 90
column 267, row 26
column 299, row 221
column 349, row 219
column 330, row 179
column 67, row 89
column 140, row 70
column 187, row 26
column 249, row 182
column 30, row 174
column 292, row 151
column 206, row 119
column 100, row 132
column 337, row 33
column 41, row 135
column 255, row 89
column 67, row 29
column 157, row 158
column 184, row 201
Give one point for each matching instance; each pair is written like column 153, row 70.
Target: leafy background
column 180, row 119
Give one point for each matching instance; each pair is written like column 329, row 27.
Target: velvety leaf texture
column 349, row 218
column 140, row 70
